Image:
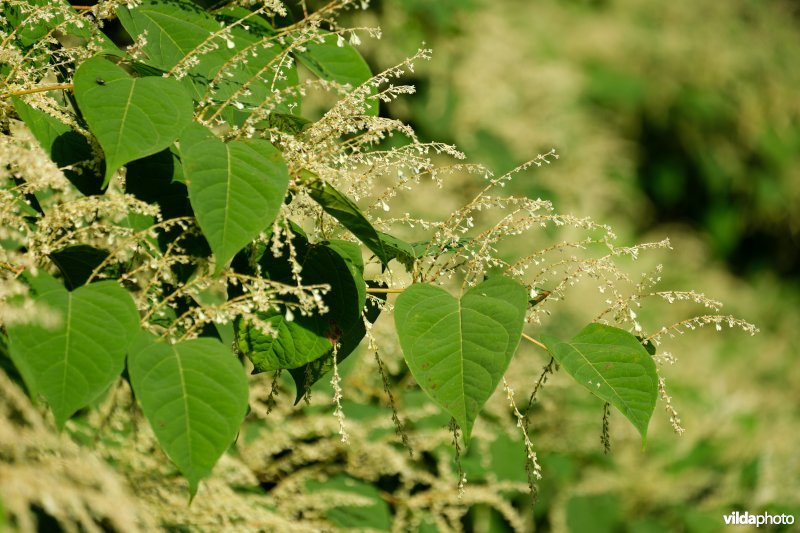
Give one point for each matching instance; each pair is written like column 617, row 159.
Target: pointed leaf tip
column 195, row 396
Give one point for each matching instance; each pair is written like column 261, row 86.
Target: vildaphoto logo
column 746, row 519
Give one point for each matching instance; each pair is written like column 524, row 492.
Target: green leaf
column 348, row 213
column 177, row 29
column 459, row 349
column 294, row 343
column 351, row 336
column 131, row 117
column 235, row 188
column 174, row 29
column 74, row 362
column 351, row 253
column 341, row 64
column 31, row 26
column 306, row 338
column 194, row 394
column 614, row 366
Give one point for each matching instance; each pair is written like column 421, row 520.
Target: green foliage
column 459, row 349
column 337, row 61
column 614, row 366
column 202, row 217
column 348, row 214
column 194, row 394
column 75, row 360
column 130, row 117
column 235, row 188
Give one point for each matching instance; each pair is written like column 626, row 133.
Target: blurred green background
column 678, row 119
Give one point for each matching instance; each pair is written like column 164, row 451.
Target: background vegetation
column 674, row 119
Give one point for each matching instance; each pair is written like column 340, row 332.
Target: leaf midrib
column 67, row 340
column 185, row 398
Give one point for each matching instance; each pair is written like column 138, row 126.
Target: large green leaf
column 235, row 188
column 614, row 366
column 337, row 61
column 348, row 213
column 174, row 29
column 194, row 394
column 74, row 362
column 459, row 349
column 131, row 117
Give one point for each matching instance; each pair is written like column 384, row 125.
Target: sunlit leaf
column 459, row 349
column 614, row 366
column 71, row 364
column 235, row 188
column 194, row 394
column 131, row 117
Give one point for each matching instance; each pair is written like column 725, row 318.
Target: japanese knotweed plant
column 171, row 219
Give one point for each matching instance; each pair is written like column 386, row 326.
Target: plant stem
column 534, row 341
column 43, row 89
column 384, row 291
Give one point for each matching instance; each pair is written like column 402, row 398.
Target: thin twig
column 43, row 89
column 534, row 341
column 371, row 290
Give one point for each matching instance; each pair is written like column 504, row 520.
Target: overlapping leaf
column 177, row 30
column 305, row 338
column 459, row 349
column 235, row 188
column 194, row 394
column 614, row 366
column 74, row 362
column 131, row 117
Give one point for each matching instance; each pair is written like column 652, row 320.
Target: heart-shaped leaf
column 73, row 363
column 131, row 117
column 614, row 366
column 235, row 188
column 458, row 350
column 194, row 394
column 176, row 30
